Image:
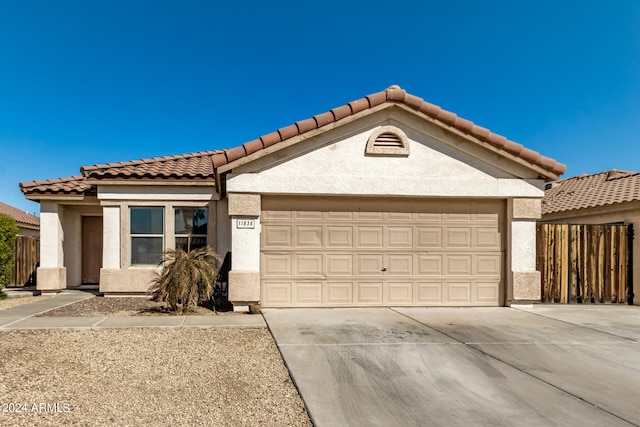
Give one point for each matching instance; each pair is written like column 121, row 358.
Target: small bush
column 8, row 232
column 186, row 278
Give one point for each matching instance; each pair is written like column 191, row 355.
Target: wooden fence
column 26, row 258
column 585, row 263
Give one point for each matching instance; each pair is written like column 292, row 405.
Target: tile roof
column 184, row 166
column 75, row 185
column 203, row 165
column 590, row 191
column 392, row 94
column 23, row 219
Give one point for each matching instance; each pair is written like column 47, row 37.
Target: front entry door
column 91, row 248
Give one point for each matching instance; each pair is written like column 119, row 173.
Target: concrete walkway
column 464, row 366
column 23, row 317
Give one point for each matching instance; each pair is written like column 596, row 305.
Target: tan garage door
column 380, row 252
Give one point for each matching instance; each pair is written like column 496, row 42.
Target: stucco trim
column 244, row 204
column 527, row 209
column 526, row 286
column 244, row 286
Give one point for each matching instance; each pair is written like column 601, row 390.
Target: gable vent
column 388, row 139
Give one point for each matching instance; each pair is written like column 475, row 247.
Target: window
column 388, row 141
column 147, row 235
column 191, row 228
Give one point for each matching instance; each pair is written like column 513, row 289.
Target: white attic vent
column 387, row 141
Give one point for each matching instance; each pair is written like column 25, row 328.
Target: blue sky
column 86, row 82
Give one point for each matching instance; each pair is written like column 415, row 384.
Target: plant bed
column 125, row 306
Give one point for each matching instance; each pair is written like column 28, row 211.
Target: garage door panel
column 429, row 265
column 276, row 265
column 277, row 293
column 485, row 293
column 369, row 293
column 370, row 237
column 488, row 265
column 308, row 236
column 399, row 265
column 428, row 293
column 487, row 238
column 339, row 237
column 339, row 265
column 369, row 264
column 381, row 252
column 429, row 237
column 458, row 265
column 458, row 237
column 308, row 265
column 277, row 236
column 339, row 293
column 456, row 217
column 399, row 237
column 458, row 293
column 308, row 293
column 398, row 293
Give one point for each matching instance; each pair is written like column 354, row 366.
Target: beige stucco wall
column 628, row 213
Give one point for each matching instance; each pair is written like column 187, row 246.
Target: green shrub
column 8, row 232
column 186, row 278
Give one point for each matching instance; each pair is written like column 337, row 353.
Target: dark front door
column 91, row 248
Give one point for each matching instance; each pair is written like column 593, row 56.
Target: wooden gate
column 26, row 253
column 585, row 263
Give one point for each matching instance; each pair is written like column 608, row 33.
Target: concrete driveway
column 558, row 365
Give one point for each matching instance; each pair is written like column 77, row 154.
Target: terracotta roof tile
column 288, row 132
column 375, row 99
column 342, row 112
column 75, row 185
column 253, row 146
column 359, row 105
column 324, row 118
column 590, row 191
column 271, row 138
column 23, row 219
column 188, row 166
column 306, row 125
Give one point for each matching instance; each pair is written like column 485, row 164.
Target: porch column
column 52, row 274
column 110, row 272
column 525, row 280
column 244, row 277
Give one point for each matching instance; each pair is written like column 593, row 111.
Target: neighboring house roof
column 203, row 165
column 590, row 191
column 23, row 219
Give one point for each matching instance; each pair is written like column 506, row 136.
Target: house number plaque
column 246, row 223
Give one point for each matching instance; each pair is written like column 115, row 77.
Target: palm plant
column 186, row 278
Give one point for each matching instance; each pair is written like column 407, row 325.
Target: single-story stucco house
column 386, row 200
column 610, row 197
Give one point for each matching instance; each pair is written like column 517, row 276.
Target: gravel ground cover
column 159, row 377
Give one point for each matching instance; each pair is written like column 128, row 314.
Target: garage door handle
column 384, row 269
